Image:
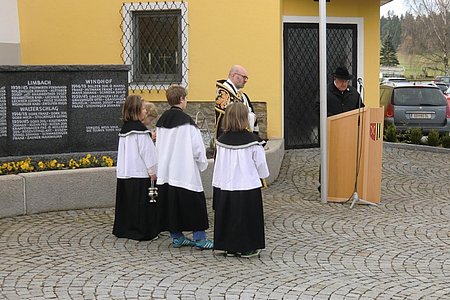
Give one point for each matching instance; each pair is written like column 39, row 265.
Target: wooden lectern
column 342, row 136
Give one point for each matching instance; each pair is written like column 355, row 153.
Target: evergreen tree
column 388, row 54
column 391, row 25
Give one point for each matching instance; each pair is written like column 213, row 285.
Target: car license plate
column 420, row 116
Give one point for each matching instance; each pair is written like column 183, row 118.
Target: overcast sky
column 398, row 6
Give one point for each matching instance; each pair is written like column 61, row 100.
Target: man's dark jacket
column 339, row 102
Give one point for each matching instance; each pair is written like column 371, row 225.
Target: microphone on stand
column 360, row 82
column 355, row 197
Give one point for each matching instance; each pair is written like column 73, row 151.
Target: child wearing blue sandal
column 181, row 157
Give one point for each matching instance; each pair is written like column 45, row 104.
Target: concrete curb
column 416, row 147
column 30, row 193
column 12, row 196
column 69, row 189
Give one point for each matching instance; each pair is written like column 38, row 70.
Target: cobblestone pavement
column 397, row 250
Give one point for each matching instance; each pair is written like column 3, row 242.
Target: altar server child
column 135, row 217
column 150, row 118
column 239, row 166
column 181, row 158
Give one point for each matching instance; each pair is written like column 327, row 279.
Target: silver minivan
column 415, row 105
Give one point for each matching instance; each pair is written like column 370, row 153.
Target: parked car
column 442, row 86
column 393, row 79
column 447, row 95
column 415, row 105
column 444, row 79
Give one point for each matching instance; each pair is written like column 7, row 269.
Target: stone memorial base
column 30, row 193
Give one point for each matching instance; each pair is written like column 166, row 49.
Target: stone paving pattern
column 397, row 250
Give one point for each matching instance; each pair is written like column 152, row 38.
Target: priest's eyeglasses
column 243, row 76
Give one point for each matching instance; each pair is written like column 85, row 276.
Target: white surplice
column 136, row 155
column 233, row 170
column 181, row 157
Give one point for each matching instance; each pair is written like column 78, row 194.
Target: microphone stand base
column 356, row 199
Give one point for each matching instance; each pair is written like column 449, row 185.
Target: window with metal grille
column 155, row 44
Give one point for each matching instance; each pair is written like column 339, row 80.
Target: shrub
column 415, row 135
column 433, row 138
column 403, row 136
column 446, row 141
column 390, row 133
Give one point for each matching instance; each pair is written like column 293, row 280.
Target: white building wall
column 9, row 33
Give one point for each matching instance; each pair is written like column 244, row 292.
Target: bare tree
column 433, row 17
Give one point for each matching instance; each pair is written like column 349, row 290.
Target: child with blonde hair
column 239, row 166
column 150, row 117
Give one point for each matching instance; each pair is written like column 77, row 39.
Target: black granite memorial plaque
column 60, row 109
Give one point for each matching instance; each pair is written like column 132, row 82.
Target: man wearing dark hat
column 341, row 96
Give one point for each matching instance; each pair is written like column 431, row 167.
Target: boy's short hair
column 131, row 109
column 236, row 117
column 174, row 94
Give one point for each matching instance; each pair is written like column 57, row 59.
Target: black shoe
column 231, row 254
column 250, row 254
